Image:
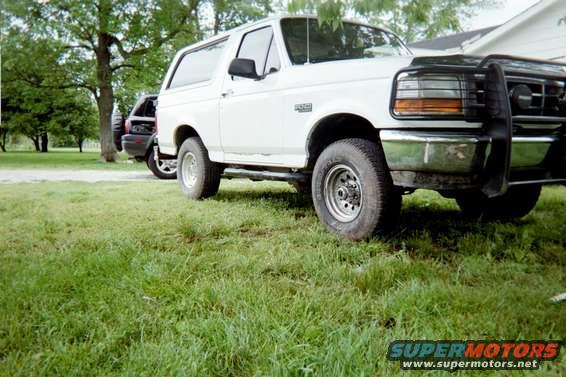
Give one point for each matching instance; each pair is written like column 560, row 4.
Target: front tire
column 165, row 169
column 197, row 176
column 517, row 202
column 353, row 193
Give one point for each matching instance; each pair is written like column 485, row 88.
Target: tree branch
column 37, row 82
column 79, row 46
column 120, row 66
column 84, row 31
column 156, row 43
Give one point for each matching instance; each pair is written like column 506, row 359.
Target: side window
column 259, row 46
column 197, row 66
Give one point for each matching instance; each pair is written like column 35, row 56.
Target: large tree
column 30, row 105
column 26, row 110
column 95, row 39
column 410, row 19
column 211, row 17
column 37, row 112
column 74, row 117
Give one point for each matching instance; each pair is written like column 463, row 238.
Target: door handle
column 227, row 93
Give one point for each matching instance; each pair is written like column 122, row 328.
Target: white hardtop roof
column 266, row 20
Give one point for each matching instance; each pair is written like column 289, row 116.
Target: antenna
column 308, row 42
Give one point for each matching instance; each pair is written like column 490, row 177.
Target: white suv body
column 255, row 121
column 280, row 120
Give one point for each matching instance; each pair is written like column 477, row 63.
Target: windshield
column 350, row 41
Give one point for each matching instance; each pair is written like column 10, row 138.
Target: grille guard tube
column 496, row 114
column 499, row 127
column 497, row 120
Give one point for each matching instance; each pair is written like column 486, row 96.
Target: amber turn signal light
column 418, row 106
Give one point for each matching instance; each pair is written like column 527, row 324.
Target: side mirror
column 243, row 68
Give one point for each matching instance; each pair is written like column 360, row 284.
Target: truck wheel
column 198, row 177
column 517, row 202
column 165, row 169
column 353, row 193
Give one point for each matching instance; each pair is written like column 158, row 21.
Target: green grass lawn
column 133, row 279
column 64, row 159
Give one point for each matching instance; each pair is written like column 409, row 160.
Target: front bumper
column 450, row 160
column 517, row 144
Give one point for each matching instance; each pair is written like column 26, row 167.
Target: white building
column 539, row 32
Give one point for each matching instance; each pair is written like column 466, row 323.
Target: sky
column 496, row 16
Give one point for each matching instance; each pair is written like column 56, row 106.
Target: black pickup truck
column 136, row 136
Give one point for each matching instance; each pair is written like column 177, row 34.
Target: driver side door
column 250, row 110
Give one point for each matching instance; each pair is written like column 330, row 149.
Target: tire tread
column 388, row 201
column 210, row 171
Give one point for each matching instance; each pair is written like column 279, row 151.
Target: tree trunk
column 216, row 26
column 80, row 143
column 105, row 100
column 35, row 140
column 3, row 142
column 44, row 142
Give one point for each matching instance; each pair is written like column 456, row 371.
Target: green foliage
column 411, row 19
column 60, row 112
column 26, row 113
column 232, row 13
column 74, row 116
column 26, row 110
column 97, row 39
column 147, row 70
column 33, row 101
column 123, row 44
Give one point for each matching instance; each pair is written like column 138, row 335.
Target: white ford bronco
column 352, row 117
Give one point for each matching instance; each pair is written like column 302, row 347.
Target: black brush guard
column 495, row 112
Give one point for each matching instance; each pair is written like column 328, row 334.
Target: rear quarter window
column 198, row 65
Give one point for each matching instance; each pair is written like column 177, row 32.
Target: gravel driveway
column 38, row 175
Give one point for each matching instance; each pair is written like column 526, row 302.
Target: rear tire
column 197, row 176
column 161, row 171
column 353, row 193
column 517, row 202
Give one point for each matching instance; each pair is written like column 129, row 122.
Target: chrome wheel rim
column 167, row 166
column 343, row 193
column 189, row 170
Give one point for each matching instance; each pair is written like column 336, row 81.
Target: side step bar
column 556, row 181
column 262, row 175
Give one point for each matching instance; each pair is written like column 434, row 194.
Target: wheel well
column 182, row 133
column 336, row 127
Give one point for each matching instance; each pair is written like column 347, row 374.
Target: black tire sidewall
column 516, row 203
column 372, row 183
column 152, row 165
column 208, row 176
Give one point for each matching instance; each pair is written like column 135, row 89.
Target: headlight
column 429, row 94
